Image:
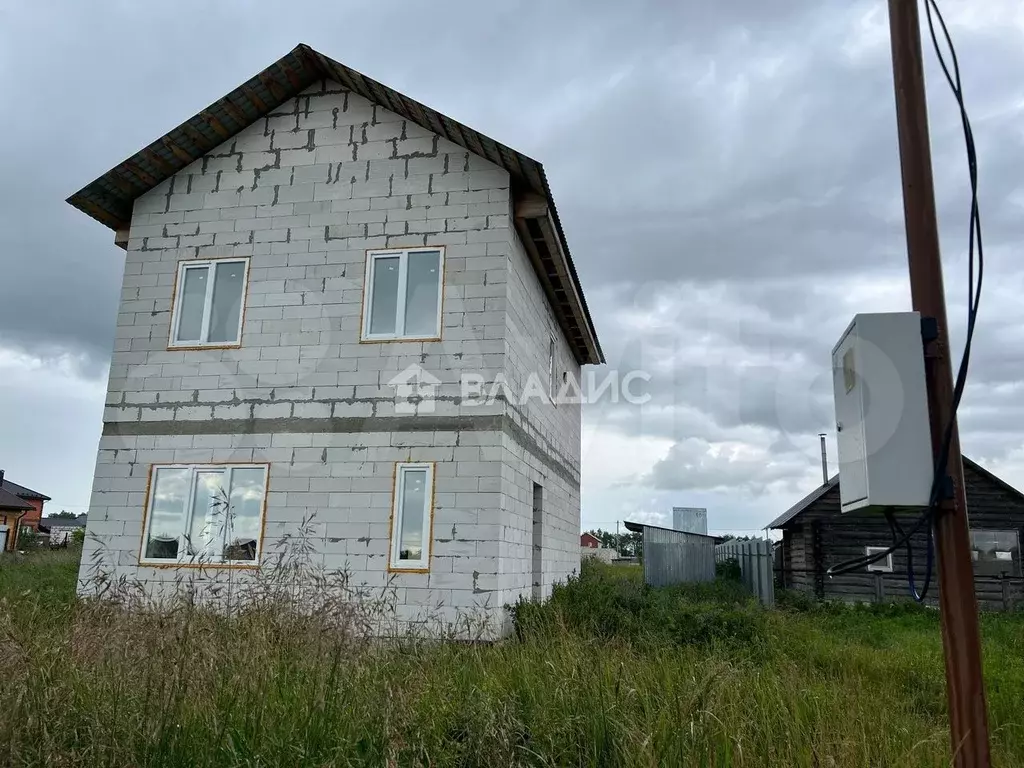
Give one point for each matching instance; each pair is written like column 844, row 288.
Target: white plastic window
column 205, row 514
column 411, row 517
column 403, row 293
column 879, row 566
column 209, row 304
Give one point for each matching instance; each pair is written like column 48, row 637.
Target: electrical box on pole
column 882, row 427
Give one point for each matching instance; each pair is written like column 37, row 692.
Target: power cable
column 974, row 238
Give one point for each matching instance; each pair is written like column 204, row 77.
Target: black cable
column 973, row 300
column 896, row 528
column 865, row 560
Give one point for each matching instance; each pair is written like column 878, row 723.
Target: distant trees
column 627, row 544
column 65, row 515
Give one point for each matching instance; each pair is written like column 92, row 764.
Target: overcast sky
column 726, row 172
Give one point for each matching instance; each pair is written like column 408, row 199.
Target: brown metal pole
column 961, row 640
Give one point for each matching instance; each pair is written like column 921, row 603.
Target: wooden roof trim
column 250, row 93
column 272, row 85
column 164, row 166
column 217, row 125
column 291, row 75
column 202, row 143
column 144, row 176
column 176, row 150
column 236, row 113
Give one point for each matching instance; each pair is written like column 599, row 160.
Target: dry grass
column 607, row 674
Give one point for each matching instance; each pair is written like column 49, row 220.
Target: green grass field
column 606, row 674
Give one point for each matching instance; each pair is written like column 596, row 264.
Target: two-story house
column 346, row 314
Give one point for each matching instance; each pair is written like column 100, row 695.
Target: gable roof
column 639, row 527
column 64, row 522
column 109, row 199
column 804, row 503
column 786, row 517
column 23, row 492
column 8, row 501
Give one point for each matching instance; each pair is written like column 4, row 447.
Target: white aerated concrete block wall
column 555, row 429
column 330, row 497
column 303, row 194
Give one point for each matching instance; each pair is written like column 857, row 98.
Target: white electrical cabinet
column 882, row 429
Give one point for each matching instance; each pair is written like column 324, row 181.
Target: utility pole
column 961, row 641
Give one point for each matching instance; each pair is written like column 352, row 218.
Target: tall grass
column 608, row 673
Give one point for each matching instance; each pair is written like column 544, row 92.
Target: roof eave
column 801, row 506
column 540, row 232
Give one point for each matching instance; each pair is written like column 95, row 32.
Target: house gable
column 982, row 487
column 110, row 198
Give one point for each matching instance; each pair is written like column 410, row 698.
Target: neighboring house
column 815, row 536
column 34, row 499
column 290, row 250
column 590, row 546
column 12, row 510
column 61, row 529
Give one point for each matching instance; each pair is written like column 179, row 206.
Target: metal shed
column 675, row 557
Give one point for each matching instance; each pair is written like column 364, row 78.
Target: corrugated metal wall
column 757, row 565
column 675, row 557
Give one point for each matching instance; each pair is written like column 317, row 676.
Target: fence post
column 755, row 562
column 1005, row 589
column 817, row 559
column 879, row 589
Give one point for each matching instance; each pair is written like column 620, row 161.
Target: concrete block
column 291, row 157
column 297, row 193
column 272, row 410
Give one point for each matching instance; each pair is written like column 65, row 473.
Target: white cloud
column 727, row 175
column 51, row 418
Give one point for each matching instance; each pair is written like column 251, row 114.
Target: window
column 205, row 514
column 879, row 566
column 411, row 517
column 210, row 296
column 849, row 371
column 552, row 381
column 537, row 560
column 995, row 552
column 402, row 297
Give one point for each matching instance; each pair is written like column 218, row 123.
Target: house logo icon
column 415, row 390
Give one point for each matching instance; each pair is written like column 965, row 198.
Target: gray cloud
column 727, row 174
